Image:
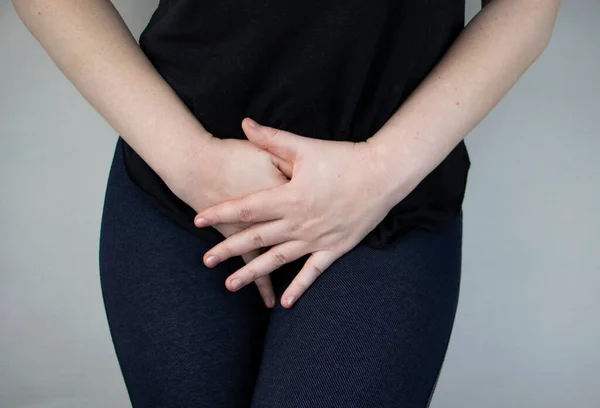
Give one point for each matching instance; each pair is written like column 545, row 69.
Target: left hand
column 337, row 193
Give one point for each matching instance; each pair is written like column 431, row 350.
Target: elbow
column 545, row 13
column 548, row 30
column 25, row 7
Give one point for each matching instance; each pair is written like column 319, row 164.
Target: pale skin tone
column 293, row 201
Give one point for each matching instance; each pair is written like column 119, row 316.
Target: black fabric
column 371, row 332
column 327, row 69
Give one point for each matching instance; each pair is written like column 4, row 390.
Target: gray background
column 527, row 331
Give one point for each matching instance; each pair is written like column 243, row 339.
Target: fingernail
column 235, row 284
column 252, row 123
column 212, row 261
column 270, row 302
column 200, row 222
column 290, row 300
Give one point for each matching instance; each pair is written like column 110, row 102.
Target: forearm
column 90, row 43
column 486, row 60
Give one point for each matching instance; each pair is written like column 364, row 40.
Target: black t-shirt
column 327, row 69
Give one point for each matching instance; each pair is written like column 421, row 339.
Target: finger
column 265, row 288
column 312, row 269
column 258, row 236
column 281, row 143
column 263, row 205
column 265, row 264
column 264, row 284
column 286, row 167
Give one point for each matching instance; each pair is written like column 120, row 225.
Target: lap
column 372, row 330
column 181, row 338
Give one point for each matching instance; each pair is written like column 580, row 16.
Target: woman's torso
column 327, row 69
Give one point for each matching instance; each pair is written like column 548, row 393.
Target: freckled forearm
column 486, row 60
column 93, row 47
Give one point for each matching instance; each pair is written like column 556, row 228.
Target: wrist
column 177, row 160
column 397, row 165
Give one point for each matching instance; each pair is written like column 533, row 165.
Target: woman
column 342, row 198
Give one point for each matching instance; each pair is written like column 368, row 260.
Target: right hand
column 228, row 169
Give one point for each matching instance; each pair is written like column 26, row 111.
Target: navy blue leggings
column 372, row 331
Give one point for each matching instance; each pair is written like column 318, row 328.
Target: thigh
column 372, row 331
column 181, row 338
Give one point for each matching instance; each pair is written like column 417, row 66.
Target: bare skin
column 90, row 43
column 93, row 47
column 233, row 158
column 362, row 182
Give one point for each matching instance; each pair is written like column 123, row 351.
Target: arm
column 90, row 43
column 485, row 61
column 92, row 46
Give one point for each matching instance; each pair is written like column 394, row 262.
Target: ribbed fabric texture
column 372, row 331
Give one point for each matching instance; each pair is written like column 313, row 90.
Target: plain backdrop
column 527, row 331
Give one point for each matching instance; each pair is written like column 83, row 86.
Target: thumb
column 281, row 143
column 286, row 167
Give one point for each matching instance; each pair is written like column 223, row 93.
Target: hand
column 338, row 192
column 234, row 169
column 264, row 284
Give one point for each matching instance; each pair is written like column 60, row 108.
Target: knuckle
column 273, row 132
column 224, row 249
column 257, row 241
column 317, row 271
column 294, row 227
column 252, row 275
column 303, row 228
column 278, row 258
column 249, row 276
column 227, row 251
column 245, row 214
